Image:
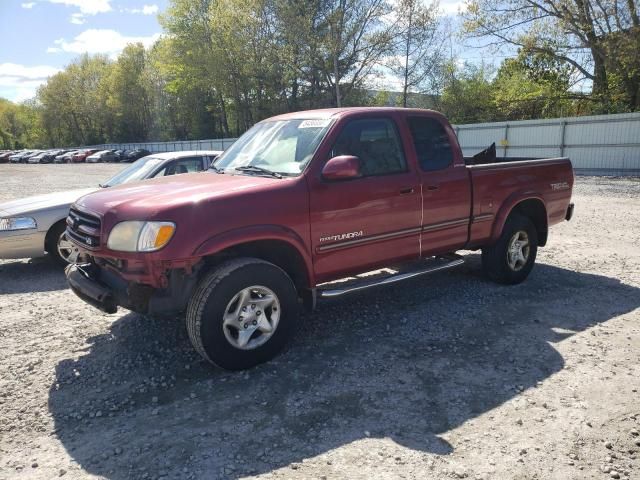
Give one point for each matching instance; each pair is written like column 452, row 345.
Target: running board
column 435, row 264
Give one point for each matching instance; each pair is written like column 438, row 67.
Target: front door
column 365, row 222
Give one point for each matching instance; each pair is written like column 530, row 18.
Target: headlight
column 135, row 236
column 17, row 223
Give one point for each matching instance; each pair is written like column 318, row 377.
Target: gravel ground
column 449, row 376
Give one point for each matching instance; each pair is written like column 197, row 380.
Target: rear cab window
column 431, row 143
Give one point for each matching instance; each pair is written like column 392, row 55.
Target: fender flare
column 507, row 207
column 257, row 233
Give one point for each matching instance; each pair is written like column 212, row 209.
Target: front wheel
column 242, row 313
column 511, row 258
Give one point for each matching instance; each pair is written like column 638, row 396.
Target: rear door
column 446, row 188
column 367, row 221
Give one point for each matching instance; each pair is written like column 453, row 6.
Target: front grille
column 84, row 228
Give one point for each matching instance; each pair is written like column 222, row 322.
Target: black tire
column 51, row 243
column 213, row 295
column 495, row 258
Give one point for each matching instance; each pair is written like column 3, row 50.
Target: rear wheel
column 242, row 313
column 511, row 258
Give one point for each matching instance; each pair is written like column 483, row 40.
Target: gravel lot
column 450, row 376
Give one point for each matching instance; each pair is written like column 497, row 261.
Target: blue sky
column 40, row 37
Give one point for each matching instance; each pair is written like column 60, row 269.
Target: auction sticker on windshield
column 318, row 123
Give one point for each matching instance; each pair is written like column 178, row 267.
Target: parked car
column 300, row 200
column 4, row 156
column 41, row 157
column 121, row 155
column 36, row 157
column 102, row 156
column 134, row 155
column 65, row 157
column 18, row 156
column 26, row 158
column 49, row 156
column 29, row 227
column 82, row 155
column 15, row 156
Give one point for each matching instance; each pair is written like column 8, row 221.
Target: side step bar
column 335, row 289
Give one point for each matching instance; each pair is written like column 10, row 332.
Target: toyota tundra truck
column 303, row 207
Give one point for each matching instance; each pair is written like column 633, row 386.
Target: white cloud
column 87, row 7
column 105, row 41
column 145, row 10
column 28, row 5
column 20, row 82
column 452, row 7
column 77, row 18
column 150, row 9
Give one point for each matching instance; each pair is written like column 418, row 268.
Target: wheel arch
column 274, row 244
column 531, row 206
column 48, row 238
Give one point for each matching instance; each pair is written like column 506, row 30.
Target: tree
column 20, row 125
column 129, row 95
column 599, row 38
column 467, row 96
column 532, row 85
column 73, row 103
column 419, row 41
column 355, row 39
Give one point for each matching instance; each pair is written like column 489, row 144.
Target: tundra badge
column 342, row 236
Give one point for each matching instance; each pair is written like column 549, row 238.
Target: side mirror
column 342, row 167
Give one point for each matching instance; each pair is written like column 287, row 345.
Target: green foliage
column 468, row 94
column 598, row 40
column 20, row 125
column 128, row 96
column 223, row 65
column 74, row 103
column 533, row 85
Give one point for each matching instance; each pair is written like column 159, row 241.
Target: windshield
column 138, row 170
column 282, row 146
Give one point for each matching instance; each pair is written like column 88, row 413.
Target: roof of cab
column 339, row 112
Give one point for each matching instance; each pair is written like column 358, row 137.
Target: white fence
column 597, row 145
column 218, row 144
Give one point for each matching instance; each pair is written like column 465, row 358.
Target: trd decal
column 341, row 236
column 560, row 186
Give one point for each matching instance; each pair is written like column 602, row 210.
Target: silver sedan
column 33, row 226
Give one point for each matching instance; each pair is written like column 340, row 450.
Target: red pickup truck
column 300, row 202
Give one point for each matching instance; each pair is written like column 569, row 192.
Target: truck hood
column 41, row 202
column 141, row 200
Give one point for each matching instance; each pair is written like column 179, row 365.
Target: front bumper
column 105, row 290
column 92, row 291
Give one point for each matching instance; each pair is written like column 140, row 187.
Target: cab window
column 431, row 143
column 376, row 143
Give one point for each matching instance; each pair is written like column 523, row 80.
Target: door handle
column 406, row 191
column 432, row 187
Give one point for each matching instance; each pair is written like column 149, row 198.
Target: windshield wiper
column 253, row 168
column 216, row 169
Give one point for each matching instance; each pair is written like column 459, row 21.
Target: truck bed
column 495, row 184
